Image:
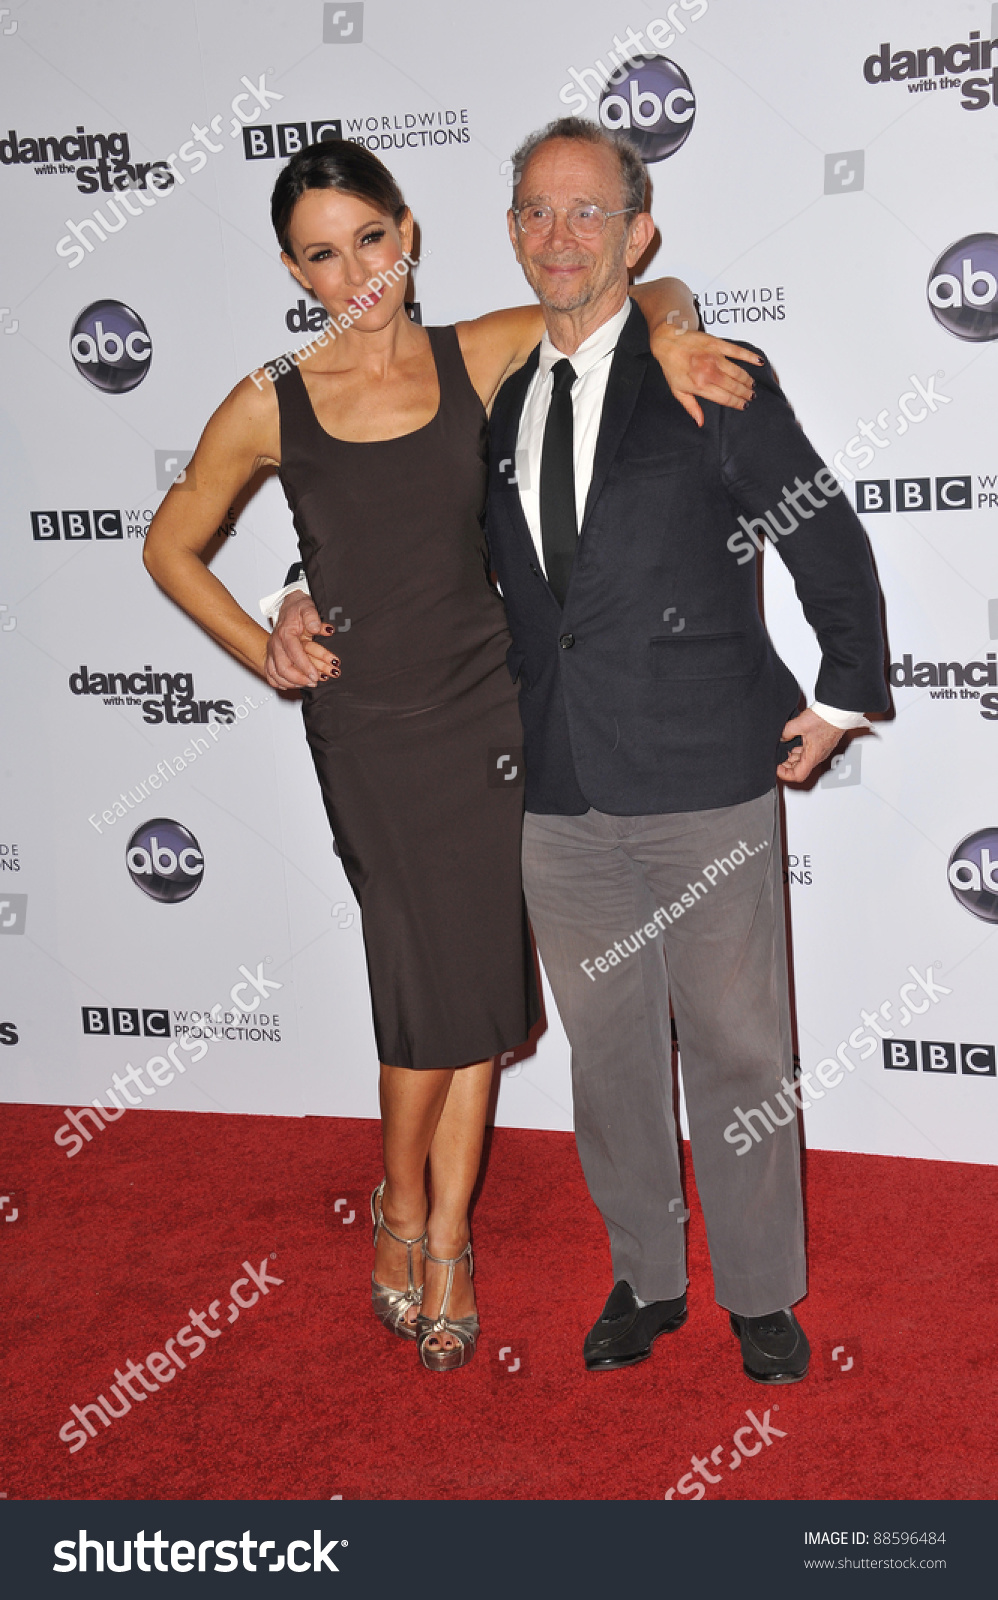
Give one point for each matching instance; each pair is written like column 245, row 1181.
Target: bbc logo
column 261, row 142
column 913, row 494
column 76, row 524
column 125, row 1022
column 976, row 1060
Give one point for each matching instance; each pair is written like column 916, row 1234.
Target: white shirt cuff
column 271, row 604
column 839, row 719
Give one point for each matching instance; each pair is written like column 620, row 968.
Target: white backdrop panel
column 746, row 218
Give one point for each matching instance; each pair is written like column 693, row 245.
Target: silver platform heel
column 464, row 1329
column 391, row 1306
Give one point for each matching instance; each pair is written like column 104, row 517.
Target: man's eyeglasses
column 585, row 221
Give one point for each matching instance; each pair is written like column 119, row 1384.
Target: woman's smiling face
column 341, row 243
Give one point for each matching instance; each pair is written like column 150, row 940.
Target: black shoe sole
column 774, row 1377
column 614, row 1365
column 768, row 1377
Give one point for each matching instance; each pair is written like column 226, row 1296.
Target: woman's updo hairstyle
column 333, row 164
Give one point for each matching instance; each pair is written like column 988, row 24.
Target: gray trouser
column 594, row 884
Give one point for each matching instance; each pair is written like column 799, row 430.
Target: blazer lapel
column 627, row 371
column 505, row 427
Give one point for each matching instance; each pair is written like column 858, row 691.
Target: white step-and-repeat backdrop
column 825, row 178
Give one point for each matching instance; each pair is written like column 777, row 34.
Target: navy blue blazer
column 657, row 688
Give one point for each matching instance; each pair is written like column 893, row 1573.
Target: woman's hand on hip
column 293, row 660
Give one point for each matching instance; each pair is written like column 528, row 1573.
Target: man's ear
column 640, row 236
column 514, row 233
column 296, row 272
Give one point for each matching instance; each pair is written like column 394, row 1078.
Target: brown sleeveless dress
column 418, row 744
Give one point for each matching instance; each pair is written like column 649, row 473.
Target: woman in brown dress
column 378, row 433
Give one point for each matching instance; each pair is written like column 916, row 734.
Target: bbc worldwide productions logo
column 110, row 346
column 651, row 101
column 963, row 288
column 165, row 861
column 940, row 1056
column 246, row 1023
column 954, row 493
column 267, row 141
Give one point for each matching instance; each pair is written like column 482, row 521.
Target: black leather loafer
column 774, row 1347
column 625, row 1332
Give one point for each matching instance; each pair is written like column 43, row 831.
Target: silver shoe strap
column 379, row 1223
column 451, row 1263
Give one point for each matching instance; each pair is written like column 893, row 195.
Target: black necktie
column 559, row 531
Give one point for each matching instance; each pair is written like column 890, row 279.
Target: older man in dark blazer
column 657, row 715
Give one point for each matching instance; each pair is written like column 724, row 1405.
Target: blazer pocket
column 659, row 466
column 687, row 659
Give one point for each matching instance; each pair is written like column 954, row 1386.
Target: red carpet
column 304, row 1396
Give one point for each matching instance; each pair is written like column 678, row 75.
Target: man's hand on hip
column 819, row 740
column 293, row 660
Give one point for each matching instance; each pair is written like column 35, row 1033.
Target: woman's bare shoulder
column 495, row 345
column 248, row 419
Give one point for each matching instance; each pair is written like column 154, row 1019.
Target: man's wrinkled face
column 567, row 273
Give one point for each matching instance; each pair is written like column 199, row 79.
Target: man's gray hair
column 633, row 172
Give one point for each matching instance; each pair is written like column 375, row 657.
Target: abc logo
column 165, row 860
column 963, row 288
column 651, row 101
column 973, row 874
column 111, row 347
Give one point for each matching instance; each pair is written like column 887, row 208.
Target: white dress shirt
column 592, row 370
column 591, row 362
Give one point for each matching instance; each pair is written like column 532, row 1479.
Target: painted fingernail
column 323, row 677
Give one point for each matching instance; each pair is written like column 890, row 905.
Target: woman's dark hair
column 333, row 164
